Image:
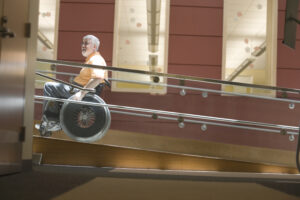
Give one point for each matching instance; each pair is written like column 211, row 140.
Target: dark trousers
column 51, row 109
column 57, row 90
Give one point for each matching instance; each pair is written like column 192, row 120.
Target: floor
column 71, row 182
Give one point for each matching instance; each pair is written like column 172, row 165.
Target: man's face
column 87, row 47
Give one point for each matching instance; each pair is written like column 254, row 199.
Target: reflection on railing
column 260, row 50
column 43, row 38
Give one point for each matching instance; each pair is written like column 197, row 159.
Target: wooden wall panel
column 281, row 5
column 198, row 3
column 204, row 71
column 214, row 105
column 212, row 134
column 69, row 45
column 88, row 1
column 242, row 108
column 196, row 21
column 195, row 50
column 287, row 57
column 86, row 17
column 196, row 70
column 289, row 78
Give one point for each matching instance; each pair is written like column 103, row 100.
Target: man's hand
column 79, row 96
column 91, row 85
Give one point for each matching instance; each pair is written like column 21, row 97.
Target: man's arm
column 98, row 75
column 94, row 82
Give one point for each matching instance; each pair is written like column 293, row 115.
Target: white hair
column 94, row 40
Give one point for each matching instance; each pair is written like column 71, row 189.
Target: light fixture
column 204, row 94
column 203, row 127
column 291, row 138
column 292, row 106
column 153, row 20
column 181, row 125
column 181, row 122
column 182, row 92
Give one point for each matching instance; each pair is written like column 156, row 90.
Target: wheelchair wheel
column 85, row 123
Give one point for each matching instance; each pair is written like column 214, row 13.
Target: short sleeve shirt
column 89, row 73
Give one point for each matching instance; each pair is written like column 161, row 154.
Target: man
column 87, row 78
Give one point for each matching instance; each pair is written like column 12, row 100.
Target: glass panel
column 245, row 41
column 140, row 32
column 47, row 36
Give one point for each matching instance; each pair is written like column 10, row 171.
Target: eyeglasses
column 85, row 43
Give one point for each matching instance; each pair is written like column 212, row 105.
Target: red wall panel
column 213, row 133
column 196, row 3
column 225, row 106
column 69, row 45
column 281, row 5
column 196, row 70
column 88, row 1
column 86, row 17
column 288, row 78
column 196, row 21
column 287, row 57
column 195, row 50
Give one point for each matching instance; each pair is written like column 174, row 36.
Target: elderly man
column 87, row 78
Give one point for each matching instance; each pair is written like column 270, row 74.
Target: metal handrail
column 186, row 88
column 184, row 116
column 173, row 76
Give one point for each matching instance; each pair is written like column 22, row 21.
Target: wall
column 195, row 48
column 288, row 63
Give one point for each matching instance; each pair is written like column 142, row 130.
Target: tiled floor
column 67, row 182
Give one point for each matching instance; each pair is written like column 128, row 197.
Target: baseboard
column 194, row 147
column 66, row 152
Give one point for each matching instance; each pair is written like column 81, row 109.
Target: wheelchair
column 83, row 123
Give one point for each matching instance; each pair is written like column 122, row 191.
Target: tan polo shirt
column 88, row 73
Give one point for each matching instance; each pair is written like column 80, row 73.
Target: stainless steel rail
column 283, row 129
column 187, row 88
column 203, row 122
column 70, row 84
column 55, row 72
column 173, row 76
column 208, row 90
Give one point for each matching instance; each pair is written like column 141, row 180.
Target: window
column 141, row 43
column 250, row 44
column 47, row 36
